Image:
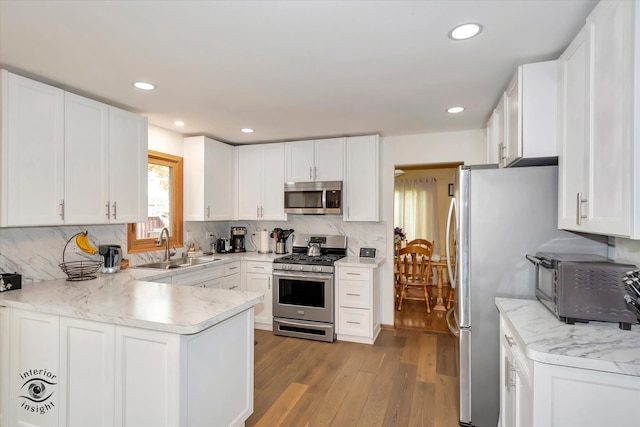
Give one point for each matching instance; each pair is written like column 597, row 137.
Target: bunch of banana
column 84, row 244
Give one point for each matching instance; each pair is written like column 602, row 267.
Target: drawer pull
column 353, row 323
column 232, row 268
column 353, row 274
column 353, row 295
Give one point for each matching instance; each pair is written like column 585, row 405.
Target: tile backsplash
column 36, row 252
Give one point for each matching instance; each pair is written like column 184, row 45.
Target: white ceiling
column 288, row 69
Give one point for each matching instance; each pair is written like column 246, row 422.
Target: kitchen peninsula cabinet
column 556, row 375
column 599, row 162
column 361, row 191
column 261, row 182
column 317, row 160
column 132, row 354
column 68, row 160
column 209, row 180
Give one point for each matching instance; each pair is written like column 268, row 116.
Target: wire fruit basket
column 79, row 270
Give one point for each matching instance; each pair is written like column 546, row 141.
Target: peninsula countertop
column 149, row 305
column 597, row 345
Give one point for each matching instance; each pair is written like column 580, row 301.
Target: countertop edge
column 555, row 336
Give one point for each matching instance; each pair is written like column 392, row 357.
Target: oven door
column 303, row 296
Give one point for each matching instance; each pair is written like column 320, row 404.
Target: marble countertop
column 356, row 261
column 122, row 300
column 597, row 345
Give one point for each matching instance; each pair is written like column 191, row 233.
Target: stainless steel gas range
column 303, row 290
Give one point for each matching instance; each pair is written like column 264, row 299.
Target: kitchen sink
column 177, row 263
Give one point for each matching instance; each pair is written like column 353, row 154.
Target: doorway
column 413, row 314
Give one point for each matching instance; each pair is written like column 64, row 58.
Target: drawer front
column 517, row 349
column 259, row 267
column 354, row 273
column 354, row 321
column 232, row 282
column 354, row 293
column 232, row 268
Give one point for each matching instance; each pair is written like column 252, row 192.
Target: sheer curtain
column 416, row 209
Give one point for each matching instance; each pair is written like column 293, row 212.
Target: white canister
column 263, row 247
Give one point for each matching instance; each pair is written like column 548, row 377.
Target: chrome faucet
column 167, row 253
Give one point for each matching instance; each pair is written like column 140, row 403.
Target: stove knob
column 301, row 268
column 285, row 267
column 317, row 268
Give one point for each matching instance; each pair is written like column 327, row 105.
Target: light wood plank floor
column 407, row 378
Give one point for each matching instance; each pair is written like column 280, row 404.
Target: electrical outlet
column 209, row 237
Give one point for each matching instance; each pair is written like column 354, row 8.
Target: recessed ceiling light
column 144, row 85
column 454, row 110
column 178, row 123
column 247, row 130
column 465, row 31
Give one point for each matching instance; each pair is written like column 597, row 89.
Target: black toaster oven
column 582, row 287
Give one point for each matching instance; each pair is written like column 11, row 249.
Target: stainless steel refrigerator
column 496, row 217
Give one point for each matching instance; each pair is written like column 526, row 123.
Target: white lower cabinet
column 358, row 304
column 259, row 279
column 540, row 394
column 75, row 372
column 211, row 277
column 232, row 276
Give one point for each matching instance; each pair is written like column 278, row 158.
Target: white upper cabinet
column 261, row 182
column 314, row 160
column 128, row 160
column 67, row 159
column 361, row 192
column 31, row 152
column 209, row 180
column 599, row 151
column 530, row 108
column 495, row 134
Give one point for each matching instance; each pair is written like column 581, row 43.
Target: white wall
column 165, row 141
column 445, row 147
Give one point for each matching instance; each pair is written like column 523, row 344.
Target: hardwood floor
column 414, row 316
column 407, row 378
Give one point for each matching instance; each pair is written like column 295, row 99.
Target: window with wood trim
column 164, row 197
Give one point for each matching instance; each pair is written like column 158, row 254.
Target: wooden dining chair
column 413, row 270
column 421, row 242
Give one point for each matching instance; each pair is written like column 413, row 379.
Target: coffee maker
column 111, row 258
column 237, row 239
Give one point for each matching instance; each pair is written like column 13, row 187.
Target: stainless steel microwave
column 315, row 198
column 582, row 287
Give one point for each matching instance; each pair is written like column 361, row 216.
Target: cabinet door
column 147, row 378
column 127, row 166
column 250, row 182
column 513, row 119
column 611, row 72
column 220, row 180
column 507, row 385
column 362, row 182
column 498, row 125
column 573, row 94
column 87, row 355
column 262, row 283
column 32, row 181
column 299, row 161
column 86, row 156
column 328, row 159
column 196, row 204
column 34, row 399
column 272, row 207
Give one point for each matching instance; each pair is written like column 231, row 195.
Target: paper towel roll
column 264, row 242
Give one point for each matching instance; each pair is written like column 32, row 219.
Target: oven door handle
column 302, row 275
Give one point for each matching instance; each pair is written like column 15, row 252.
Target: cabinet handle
column 315, row 173
column 62, row 209
column 208, row 211
column 353, row 323
column 108, row 206
column 353, row 274
column 510, row 340
column 506, row 373
column 257, row 211
column 234, row 287
column 269, row 283
column 257, row 268
column 353, row 295
column 579, row 202
column 261, row 211
column 310, row 172
column 233, row 268
column 115, row 210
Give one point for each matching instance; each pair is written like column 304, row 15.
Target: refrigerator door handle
column 454, row 329
column 451, row 218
